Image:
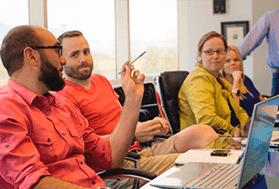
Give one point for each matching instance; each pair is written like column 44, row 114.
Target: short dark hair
column 69, row 34
column 13, row 45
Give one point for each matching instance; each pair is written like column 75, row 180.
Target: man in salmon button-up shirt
column 43, row 139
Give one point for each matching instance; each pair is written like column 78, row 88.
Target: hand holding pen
column 132, row 62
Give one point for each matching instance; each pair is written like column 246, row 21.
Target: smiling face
column 213, row 62
column 232, row 63
column 79, row 60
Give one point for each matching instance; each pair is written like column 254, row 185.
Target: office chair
column 149, row 107
column 137, row 177
column 140, row 177
column 134, row 177
column 168, row 85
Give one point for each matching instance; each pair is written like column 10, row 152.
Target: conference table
column 267, row 178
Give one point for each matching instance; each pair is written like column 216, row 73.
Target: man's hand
column 124, row 132
column 132, row 84
column 145, row 131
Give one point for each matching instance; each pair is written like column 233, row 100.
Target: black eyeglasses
column 58, row 47
column 211, row 52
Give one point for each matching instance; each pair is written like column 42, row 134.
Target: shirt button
column 93, row 182
column 63, row 133
column 48, row 113
column 48, row 139
column 6, row 145
column 81, row 162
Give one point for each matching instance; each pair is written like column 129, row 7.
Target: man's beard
column 49, row 75
column 74, row 73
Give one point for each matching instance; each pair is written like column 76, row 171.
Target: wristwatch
column 237, row 92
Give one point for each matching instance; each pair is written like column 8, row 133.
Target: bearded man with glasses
column 43, row 138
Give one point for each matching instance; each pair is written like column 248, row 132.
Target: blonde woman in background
column 244, row 91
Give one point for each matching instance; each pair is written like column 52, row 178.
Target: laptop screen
column 260, row 132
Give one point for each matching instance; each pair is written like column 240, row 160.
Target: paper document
column 200, row 155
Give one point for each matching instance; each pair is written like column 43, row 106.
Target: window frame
column 38, row 16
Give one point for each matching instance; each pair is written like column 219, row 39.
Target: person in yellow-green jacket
column 205, row 97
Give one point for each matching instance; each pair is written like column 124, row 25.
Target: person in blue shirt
column 244, row 91
column 266, row 27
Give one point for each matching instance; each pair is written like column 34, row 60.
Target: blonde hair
column 233, row 48
column 243, row 88
column 204, row 39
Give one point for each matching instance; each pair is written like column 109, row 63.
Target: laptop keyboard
column 219, row 176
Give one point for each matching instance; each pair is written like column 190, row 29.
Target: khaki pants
column 157, row 159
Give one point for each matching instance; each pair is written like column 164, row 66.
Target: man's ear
column 32, row 56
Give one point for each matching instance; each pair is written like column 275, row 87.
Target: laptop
column 277, row 120
column 198, row 175
column 274, row 141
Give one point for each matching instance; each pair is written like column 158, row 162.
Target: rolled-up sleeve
column 254, row 38
column 19, row 159
column 97, row 151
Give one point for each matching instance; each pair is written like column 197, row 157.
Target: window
column 95, row 19
column 153, row 26
column 12, row 13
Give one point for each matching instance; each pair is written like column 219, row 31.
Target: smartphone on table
column 220, row 153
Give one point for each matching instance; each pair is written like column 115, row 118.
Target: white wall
column 199, row 19
column 195, row 18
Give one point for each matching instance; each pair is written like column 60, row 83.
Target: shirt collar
column 224, row 83
column 28, row 95
column 70, row 83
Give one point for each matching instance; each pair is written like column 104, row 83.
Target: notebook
column 277, row 120
column 203, row 155
column 198, row 175
column 274, row 142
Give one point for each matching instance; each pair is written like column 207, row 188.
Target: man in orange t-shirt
column 97, row 101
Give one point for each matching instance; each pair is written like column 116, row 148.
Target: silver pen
column 132, row 62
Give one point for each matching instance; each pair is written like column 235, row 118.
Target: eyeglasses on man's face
column 211, row 52
column 58, row 47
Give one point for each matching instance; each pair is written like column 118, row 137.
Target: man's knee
column 205, row 131
column 202, row 128
column 158, row 164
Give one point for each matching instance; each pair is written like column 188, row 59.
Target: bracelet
column 237, row 92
